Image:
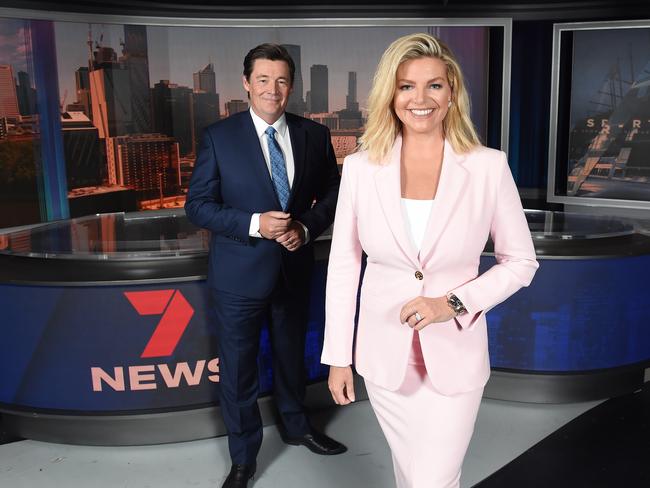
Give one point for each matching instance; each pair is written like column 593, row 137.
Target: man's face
column 269, row 88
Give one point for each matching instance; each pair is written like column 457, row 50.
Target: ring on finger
column 418, row 317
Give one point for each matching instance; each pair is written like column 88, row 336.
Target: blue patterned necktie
column 278, row 168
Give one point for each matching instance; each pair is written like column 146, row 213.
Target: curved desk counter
column 105, row 332
column 106, row 337
column 581, row 330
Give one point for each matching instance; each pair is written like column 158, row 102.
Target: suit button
column 419, row 275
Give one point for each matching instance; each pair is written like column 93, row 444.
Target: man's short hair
column 272, row 52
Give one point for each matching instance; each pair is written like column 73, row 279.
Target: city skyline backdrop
column 135, row 99
column 175, row 53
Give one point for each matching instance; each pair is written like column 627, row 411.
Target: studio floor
column 499, row 455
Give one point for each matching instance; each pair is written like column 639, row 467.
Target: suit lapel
column 298, row 137
column 254, row 154
column 389, row 193
column 450, row 188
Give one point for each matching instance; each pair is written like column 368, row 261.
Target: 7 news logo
column 176, row 313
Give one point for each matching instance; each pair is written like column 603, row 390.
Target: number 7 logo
column 176, row 315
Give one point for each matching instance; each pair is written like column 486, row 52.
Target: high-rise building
column 296, row 103
column 205, row 100
column 205, row 80
column 350, row 117
column 84, row 163
column 82, row 84
column 319, row 93
column 110, row 89
column 81, row 79
column 8, row 97
column 136, row 60
column 148, row 163
column 206, row 111
column 26, row 95
column 173, row 113
column 351, row 102
column 235, row 106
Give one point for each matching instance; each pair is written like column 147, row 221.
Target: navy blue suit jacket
column 231, row 181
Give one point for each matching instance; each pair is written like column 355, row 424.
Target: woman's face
column 422, row 95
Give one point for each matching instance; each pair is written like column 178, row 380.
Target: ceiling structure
column 517, row 10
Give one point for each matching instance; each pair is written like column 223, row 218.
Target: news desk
column 107, row 338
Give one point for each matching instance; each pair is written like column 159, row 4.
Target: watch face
column 456, row 304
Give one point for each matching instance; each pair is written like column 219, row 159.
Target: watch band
column 454, row 302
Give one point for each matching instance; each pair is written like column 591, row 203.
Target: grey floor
column 503, row 431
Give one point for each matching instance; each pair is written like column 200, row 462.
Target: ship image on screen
column 609, row 144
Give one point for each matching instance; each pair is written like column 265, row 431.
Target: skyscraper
column 173, row 113
column 81, row 146
column 110, row 90
column 26, row 94
column 350, row 117
column 351, row 98
column 137, row 63
column 206, row 111
column 296, row 101
column 8, row 97
column 205, row 80
column 82, row 83
column 319, row 93
column 206, row 99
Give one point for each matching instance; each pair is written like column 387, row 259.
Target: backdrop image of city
column 134, row 99
column 19, row 203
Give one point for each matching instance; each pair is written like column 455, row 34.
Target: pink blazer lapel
column 451, row 186
column 389, row 192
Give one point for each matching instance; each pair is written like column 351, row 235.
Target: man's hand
column 341, row 384
column 273, row 224
column 294, row 237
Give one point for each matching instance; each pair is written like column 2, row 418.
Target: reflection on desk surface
column 109, row 236
column 143, row 235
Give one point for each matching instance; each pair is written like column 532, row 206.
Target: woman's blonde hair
column 383, row 126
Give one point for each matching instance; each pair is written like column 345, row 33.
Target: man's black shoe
column 239, row 476
column 316, row 442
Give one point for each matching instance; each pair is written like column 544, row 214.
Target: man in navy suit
column 265, row 184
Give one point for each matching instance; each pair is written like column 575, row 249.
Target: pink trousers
column 428, row 433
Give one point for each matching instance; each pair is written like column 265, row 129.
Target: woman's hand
column 430, row 310
column 341, row 384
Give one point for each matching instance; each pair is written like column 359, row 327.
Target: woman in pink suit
column 421, row 198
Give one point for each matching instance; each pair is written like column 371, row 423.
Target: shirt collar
column 279, row 125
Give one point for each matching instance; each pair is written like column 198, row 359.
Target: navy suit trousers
column 238, row 321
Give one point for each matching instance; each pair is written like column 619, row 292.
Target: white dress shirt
column 283, row 139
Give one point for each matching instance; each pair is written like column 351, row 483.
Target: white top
column 417, row 213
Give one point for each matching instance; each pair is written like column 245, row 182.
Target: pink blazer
column 476, row 198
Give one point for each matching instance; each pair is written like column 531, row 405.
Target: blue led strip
column 52, row 172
